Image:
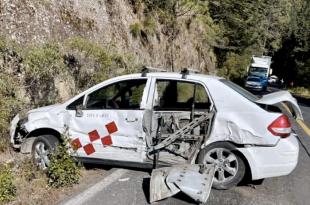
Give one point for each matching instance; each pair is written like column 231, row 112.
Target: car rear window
column 240, row 90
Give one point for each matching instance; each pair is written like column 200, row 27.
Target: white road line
column 93, row 190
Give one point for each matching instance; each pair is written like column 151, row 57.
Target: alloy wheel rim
column 226, row 164
column 41, row 155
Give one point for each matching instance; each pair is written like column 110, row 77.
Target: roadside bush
column 149, row 24
column 301, row 91
column 135, row 29
column 43, row 61
column 63, row 170
column 94, row 61
column 9, row 106
column 91, row 63
column 235, row 67
column 42, row 64
column 7, row 187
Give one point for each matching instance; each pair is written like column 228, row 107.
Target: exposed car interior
column 180, row 95
column 179, row 120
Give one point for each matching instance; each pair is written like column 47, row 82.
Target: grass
column 135, row 29
column 301, row 91
column 25, row 184
column 7, row 185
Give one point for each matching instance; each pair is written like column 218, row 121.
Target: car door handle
column 131, row 119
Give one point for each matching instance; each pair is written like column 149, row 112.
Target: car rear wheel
column 230, row 167
column 42, row 148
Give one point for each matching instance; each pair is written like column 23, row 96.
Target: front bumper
column 254, row 87
column 13, row 129
column 17, row 131
column 272, row 161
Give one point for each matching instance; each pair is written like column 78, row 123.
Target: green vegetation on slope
column 28, row 74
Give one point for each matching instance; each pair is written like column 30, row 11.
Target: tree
column 173, row 13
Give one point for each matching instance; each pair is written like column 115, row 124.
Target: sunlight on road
column 303, row 125
column 300, row 122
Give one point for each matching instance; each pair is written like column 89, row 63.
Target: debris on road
column 193, row 180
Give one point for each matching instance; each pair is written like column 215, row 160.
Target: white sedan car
column 163, row 119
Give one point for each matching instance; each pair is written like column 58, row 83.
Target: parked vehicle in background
column 273, row 80
column 255, row 83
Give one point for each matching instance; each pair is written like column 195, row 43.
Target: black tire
column 232, row 160
column 48, row 143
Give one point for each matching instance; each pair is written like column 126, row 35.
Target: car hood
column 45, row 108
column 282, row 97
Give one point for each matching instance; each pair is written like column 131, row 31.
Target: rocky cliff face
column 108, row 23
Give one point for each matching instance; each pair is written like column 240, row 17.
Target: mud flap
column 193, row 180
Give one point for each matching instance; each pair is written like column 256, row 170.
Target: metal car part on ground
column 193, row 180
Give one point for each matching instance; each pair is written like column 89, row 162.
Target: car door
column 178, row 104
column 109, row 125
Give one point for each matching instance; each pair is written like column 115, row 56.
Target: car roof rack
column 186, row 71
column 148, row 69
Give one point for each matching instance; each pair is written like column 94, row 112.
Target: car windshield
column 240, row 90
column 258, row 69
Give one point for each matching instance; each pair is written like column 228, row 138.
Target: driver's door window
column 125, row 95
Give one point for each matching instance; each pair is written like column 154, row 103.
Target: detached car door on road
column 110, row 118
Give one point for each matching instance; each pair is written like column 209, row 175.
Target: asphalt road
column 133, row 186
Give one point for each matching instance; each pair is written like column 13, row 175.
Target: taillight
column 280, row 127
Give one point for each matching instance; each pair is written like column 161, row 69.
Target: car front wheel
column 42, row 148
column 230, row 167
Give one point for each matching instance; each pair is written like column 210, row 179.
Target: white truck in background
column 258, row 73
column 261, row 65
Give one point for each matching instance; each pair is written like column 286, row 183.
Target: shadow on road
column 146, row 188
column 180, row 195
column 303, row 101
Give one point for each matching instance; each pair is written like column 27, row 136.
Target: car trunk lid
column 282, row 97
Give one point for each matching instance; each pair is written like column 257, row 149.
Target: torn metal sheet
column 240, row 128
column 193, row 180
column 279, row 97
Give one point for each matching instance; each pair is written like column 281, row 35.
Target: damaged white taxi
column 188, row 126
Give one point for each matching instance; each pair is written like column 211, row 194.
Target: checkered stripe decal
column 94, row 136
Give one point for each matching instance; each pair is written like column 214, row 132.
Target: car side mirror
column 79, row 111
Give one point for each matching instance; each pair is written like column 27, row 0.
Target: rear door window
column 180, row 95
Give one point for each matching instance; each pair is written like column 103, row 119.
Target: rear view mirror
column 79, row 111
